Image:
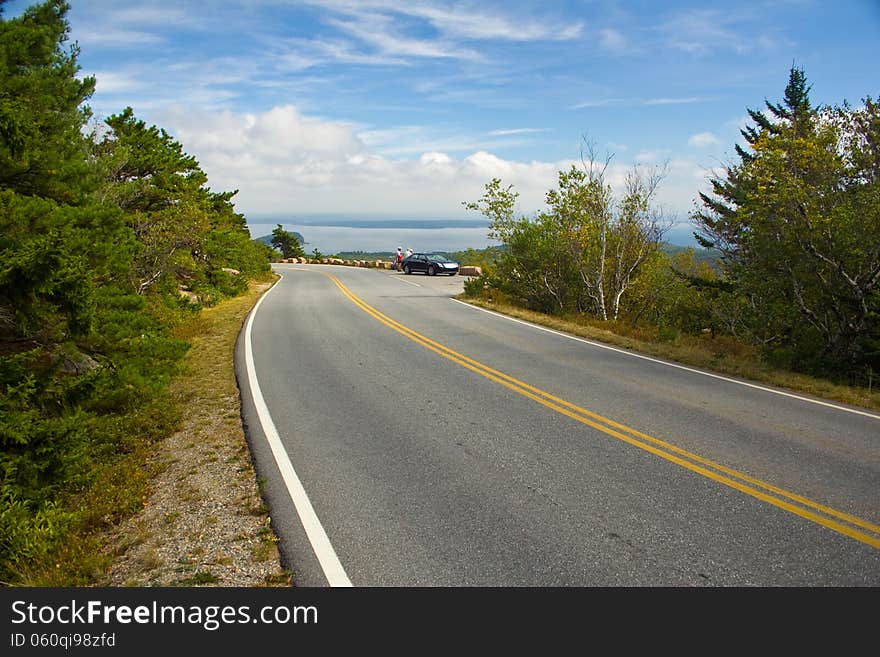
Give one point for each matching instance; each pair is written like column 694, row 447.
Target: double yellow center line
column 852, row 526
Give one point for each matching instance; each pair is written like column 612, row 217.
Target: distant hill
column 267, row 239
column 364, row 255
column 700, row 254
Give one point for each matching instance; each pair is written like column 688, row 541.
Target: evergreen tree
column 186, row 234
column 797, row 226
column 86, row 224
column 42, row 107
column 45, row 293
column 794, row 108
column 287, row 243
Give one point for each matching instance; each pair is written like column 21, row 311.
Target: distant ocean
column 334, row 234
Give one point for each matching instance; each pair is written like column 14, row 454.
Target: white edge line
column 401, row 280
column 330, row 564
column 663, row 362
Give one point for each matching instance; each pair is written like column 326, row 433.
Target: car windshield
column 438, row 258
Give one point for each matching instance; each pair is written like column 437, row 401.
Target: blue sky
column 387, row 108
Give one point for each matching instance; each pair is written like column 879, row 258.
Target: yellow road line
column 797, row 504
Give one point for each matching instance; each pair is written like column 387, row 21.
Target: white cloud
column 284, row 161
column 703, row 139
column 648, row 157
column 740, row 122
column 108, row 82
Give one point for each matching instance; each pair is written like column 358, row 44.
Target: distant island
column 267, row 239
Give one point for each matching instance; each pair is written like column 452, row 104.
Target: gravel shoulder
column 204, row 522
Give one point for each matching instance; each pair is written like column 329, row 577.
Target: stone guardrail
column 466, row 270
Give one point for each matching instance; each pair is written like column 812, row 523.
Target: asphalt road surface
column 407, row 439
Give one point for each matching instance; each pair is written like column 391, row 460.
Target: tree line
column 793, row 226
column 109, row 237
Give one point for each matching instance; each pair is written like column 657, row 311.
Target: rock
column 189, row 295
column 470, row 271
column 78, row 363
column 230, row 270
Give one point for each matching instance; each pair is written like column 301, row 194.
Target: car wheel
column 431, row 270
column 406, row 269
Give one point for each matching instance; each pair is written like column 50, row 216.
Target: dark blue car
column 429, row 263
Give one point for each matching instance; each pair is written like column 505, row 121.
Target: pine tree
column 287, row 243
column 797, row 225
column 42, row 108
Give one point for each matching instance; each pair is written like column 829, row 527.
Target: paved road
column 406, row 438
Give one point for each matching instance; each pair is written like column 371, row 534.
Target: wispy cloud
column 390, row 32
column 515, row 131
column 612, row 40
column 381, row 33
column 604, row 102
column 702, row 31
column 416, row 140
column 703, row 139
column 149, row 15
column 117, row 37
column 677, row 101
column 114, row 25
column 458, row 21
column 481, row 25
column 637, row 102
column 300, row 54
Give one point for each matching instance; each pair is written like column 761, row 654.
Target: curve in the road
column 323, row 549
column 846, row 524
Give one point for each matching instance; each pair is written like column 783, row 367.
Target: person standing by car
column 409, row 252
column 399, row 258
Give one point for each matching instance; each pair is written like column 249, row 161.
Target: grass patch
column 720, row 354
column 200, row 578
column 266, row 548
